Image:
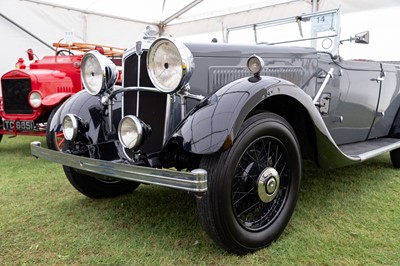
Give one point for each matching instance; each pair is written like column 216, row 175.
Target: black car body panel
column 205, row 130
column 98, row 137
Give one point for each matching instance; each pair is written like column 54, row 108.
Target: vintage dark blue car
column 230, row 123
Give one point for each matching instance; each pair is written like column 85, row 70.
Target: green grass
column 347, row 216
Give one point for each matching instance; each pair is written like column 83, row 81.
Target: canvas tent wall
column 20, row 19
column 121, row 23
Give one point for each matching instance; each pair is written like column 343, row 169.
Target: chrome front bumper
column 195, row 181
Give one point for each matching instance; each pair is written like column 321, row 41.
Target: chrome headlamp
column 35, row 99
column 255, row 64
column 70, row 127
column 169, row 64
column 132, row 131
column 98, row 73
column 73, row 126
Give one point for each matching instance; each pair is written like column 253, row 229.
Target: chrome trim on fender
column 195, row 181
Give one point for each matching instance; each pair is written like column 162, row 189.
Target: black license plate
column 21, row 125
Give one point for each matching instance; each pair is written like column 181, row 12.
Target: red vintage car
column 31, row 95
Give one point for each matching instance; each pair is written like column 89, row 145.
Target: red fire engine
column 31, row 95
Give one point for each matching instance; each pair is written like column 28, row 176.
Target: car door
column 389, row 101
column 358, row 97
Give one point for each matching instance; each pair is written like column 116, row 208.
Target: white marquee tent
column 39, row 23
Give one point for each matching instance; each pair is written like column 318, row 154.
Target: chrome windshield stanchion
column 329, row 75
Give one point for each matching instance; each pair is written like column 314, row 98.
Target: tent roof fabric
column 159, row 12
column 37, row 24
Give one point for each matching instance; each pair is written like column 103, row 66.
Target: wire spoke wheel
column 253, row 207
column 253, row 186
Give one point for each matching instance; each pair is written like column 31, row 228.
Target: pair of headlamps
column 169, row 64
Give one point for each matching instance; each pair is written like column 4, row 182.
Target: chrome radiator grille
column 152, row 105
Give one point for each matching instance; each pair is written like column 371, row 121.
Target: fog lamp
column 132, row 131
column 70, row 127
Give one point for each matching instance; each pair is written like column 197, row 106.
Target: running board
column 371, row 148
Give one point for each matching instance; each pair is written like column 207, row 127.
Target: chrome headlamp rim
column 35, row 99
column 102, row 69
column 129, row 143
column 255, row 64
column 184, row 64
column 71, row 132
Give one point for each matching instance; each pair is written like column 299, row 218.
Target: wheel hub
column 268, row 184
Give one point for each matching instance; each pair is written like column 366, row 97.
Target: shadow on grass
column 343, row 193
column 346, row 179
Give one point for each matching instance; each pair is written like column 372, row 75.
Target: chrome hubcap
column 268, row 184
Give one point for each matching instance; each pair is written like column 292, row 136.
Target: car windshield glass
column 319, row 30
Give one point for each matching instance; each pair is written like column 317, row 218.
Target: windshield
column 319, row 30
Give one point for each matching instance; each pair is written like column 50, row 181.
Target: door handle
column 381, row 77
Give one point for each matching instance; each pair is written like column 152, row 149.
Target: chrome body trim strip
column 195, row 181
column 138, row 84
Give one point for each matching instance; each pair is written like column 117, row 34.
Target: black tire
column 234, row 213
column 395, row 157
column 54, row 140
column 93, row 187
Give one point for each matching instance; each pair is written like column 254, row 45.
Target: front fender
column 213, row 125
column 215, row 122
column 89, row 108
column 56, row 98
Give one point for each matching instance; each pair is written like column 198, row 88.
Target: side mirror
column 362, row 37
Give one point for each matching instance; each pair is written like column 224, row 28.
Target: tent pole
column 314, row 5
column 182, row 11
column 314, row 10
column 28, row 32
